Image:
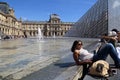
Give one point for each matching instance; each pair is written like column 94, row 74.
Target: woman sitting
column 83, row 57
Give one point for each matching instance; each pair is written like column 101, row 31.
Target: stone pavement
column 63, row 69
column 44, row 60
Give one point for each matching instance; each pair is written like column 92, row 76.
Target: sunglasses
column 79, row 44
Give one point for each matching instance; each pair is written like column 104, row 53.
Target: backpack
column 99, row 68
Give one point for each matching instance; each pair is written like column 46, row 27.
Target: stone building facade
column 14, row 28
column 48, row 28
column 9, row 25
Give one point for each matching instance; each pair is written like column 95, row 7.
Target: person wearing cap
column 115, row 30
column 114, row 38
column 110, row 38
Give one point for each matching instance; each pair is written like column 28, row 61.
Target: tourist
column 112, row 37
column 115, row 30
column 118, row 34
column 83, row 57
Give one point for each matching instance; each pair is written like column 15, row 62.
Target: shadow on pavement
column 63, row 65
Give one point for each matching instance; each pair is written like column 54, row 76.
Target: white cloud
column 116, row 4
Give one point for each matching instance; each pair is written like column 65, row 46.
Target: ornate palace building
column 14, row 28
column 9, row 25
column 49, row 28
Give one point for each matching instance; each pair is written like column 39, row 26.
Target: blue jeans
column 107, row 49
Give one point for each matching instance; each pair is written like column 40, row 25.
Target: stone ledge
column 63, row 69
column 72, row 73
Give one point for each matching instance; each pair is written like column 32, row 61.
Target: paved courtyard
column 19, row 58
column 33, row 59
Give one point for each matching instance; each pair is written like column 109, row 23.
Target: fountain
column 40, row 36
column 54, row 35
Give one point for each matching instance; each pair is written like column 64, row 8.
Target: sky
column 40, row 10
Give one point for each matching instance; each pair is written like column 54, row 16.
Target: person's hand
column 115, row 38
column 88, row 61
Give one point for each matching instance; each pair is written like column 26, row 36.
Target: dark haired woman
column 83, row 57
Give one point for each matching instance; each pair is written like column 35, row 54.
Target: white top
column 84, row 54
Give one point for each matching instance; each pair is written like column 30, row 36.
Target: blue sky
column 40, row 10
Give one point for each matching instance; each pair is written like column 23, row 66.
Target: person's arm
column 76, row 58
column 109, row 38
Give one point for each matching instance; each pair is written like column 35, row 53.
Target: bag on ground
column 99, row 68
